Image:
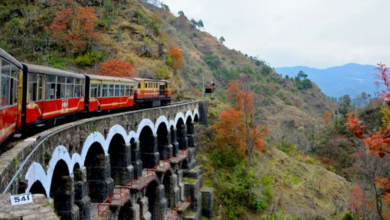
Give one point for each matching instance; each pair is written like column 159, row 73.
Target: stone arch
column 91, row 140
column 163, row 141
column 99, row 182
column 181, row 132
column 127, row 212
column 37, row 188
column 61, row 190
column 148, row 147
column 169, row 182
column 161, row 120
column 76, row 167
column 118, row 159
column 151, row 194
column 196, row 118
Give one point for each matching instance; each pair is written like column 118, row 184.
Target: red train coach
column 106, row 93
column 51, row 94
column 10, row 86
column 152, row 93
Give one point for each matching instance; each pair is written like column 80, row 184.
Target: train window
column 82, row 88
column 131, row 90
column 122, row 93
column 111, row 91
column 95, row 90
column 139, row 85
column 69, row 87
column 32, row 87
column 60, row 94
column 146, row 85
column 127, row 90
column 50, row 87
column 105, row 90
column 5, row 89
column 40, row 87
column 117, row 90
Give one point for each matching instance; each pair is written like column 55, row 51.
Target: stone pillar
column 174, row 192
column 182, row 137
column 175, row 144
column 165, row 147
column 191, row 134
column 136, row 159
column 180, row 184
column 124, row 171
column 64, row 199
column 82, row 199
column 144, row 210
column 161, row 203
column 150, row 155
column 100, row 183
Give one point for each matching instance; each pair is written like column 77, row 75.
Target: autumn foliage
column 177, row 57
column 356, row 201
column 73, row 27
column 327, row 117
column 116, row 67
column 236, row 123
column 376, row 141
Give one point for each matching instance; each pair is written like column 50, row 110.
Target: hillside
column 351, row 79
column 146, row 36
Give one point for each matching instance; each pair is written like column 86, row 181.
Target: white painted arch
column 37, row 172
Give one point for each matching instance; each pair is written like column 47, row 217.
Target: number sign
column 21, row 199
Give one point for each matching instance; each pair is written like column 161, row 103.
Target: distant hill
column 351, row 79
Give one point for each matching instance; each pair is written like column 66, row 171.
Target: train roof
column 10, row 58
column 143, row 79
column 52, row 71
column 109, row 78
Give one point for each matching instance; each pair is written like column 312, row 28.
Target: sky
column 314, row 33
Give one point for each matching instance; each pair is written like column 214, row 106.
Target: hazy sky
column 315, row 33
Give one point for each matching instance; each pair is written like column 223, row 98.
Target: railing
column 174, row 212
column 139, row 183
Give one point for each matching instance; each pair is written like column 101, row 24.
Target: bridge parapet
column 98, row 153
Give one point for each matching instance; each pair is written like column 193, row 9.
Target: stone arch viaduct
column 132, row 165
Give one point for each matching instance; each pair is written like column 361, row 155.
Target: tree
column 73, row 27
column 193, row 23
column 327, row 117
column 247, row 104
column 116, row 67
column 181, row 14
column 376, row 144
column 200, row 24
column 302, row 75
column 177, row 57
column 165, row 7
column 221, row 39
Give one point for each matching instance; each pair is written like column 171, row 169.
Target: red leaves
column 354, row 125
column 356, row 201
column 177, row 56
column 384, row 184
column 73, row 27
column 327, row 117
column 116, row 67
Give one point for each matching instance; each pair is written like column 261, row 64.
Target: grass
column 189, row 180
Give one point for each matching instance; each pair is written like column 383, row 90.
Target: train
column 32, row 95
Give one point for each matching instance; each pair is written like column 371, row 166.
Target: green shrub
column 281, row 95
column 212, row 61
column 161, row 73
column 266, row 70
column 88, row 59
column 348, row 216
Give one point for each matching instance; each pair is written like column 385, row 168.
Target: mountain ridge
column 351, row 78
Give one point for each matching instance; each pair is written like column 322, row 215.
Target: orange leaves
column 230, row 130
column 177, row 56
column 356, row 201
column 116, row 67
column 242, row 99
column 73, row 27
column 354, row 125
column 327, row 117
column 384, row 184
